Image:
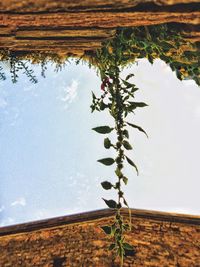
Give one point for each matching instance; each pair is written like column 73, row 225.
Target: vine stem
column 119, row 124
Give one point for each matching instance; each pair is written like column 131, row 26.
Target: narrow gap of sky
column 48, row 152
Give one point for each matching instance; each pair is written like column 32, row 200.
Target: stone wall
column 86, row 5
column 160, row 240
column 78, row 26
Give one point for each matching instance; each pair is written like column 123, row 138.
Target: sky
column 48, row 159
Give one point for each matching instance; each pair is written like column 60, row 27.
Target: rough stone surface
column 81, row 25
column 160, row 240
column 63, row 5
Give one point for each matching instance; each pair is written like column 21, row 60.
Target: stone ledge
column 96, row 215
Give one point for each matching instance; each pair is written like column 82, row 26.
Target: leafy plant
column 2, row 74
column 152, row 42
column 118, row 98
column 19, row 63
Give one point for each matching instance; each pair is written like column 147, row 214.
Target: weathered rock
column 160, row 239
column 24, row 6
column 76, row 26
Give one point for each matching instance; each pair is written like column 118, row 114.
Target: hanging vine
column 118, row 97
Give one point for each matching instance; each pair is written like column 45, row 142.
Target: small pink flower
column 103, row 87
column 105, row 83
column 107, row 80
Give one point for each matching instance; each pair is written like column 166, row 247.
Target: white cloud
column 2, row 208
column 70, row 93
column 3, row 103
column 20, row 201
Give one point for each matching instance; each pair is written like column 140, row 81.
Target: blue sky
column 48, row 152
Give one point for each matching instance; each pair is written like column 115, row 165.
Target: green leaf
column 118, row 172
column 112, row 246
column 102, row 105
column 167, row 45
column 113, row 229
column 92, row 108
column 117, row 185
column 126, row 98
column 125, row 133
column 93, row 96
column 127, row 145
column 129, row 76
column 179, row 75
column 150, row 58
column 133, row 90
column 125, row 180
column 103, row 129
column 106, row 229
column 127, row 246
column 132, row 164
column 137, row 104
column 111, row 203
column 106, row 185
column 137, row 127
column 125, row 202
column 107, row 143
column 127, row 84
column 106, row 161
column 133, row 105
